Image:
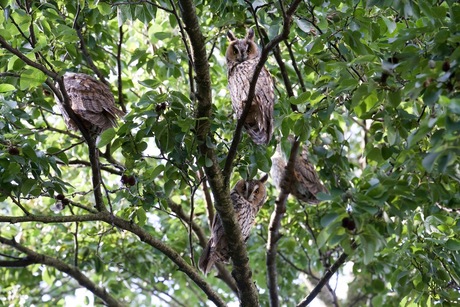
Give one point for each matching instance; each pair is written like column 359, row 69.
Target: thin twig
column 207, row 197
column 329, row 273
column 119, row 68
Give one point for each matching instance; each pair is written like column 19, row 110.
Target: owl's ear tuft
column 250, row 34
column 231, row 36
column 264, row 178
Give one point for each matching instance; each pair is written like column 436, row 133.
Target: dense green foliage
column 376, row 87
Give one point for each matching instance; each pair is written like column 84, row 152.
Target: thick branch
column 146, row 237
column 18, row 263
column 65, row 268
column 275, row 225
column 128, row 226
column 241, row 271
column 51, row 218
column 287, row 21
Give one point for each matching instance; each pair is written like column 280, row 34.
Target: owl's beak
column 251, row 197
column 248, row 196
column 242, row 58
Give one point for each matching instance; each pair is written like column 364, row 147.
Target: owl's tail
column 206, row 259
column 259, row 136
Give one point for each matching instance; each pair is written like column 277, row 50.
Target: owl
column 92, row 101
column 305, row 183
column 242, row 57
column 247, row 197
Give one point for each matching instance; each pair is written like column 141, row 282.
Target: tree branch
column 143, row 235
column 18, row 263
column 146, row 237
column 65, row 268
column 275, row 225
column 119, row 69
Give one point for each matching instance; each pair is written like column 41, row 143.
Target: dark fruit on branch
column 445, row 66
column 14, row 151
column 348, row 223
column 384, row 77
column 393, row 60
column 65, row 202
column 124, row 179
column 60, row 197
column 160, row 107
column 131, row 180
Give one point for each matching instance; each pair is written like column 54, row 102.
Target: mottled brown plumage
column 92, row 101
column 305, row 184
column 247, row 197
column 242, row 57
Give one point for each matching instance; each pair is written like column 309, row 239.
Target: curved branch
column 329, row 273
column 65, row 268
column 143, row 235
column 146, row 237
column 18, row 263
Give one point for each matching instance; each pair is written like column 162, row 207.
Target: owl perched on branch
column 242, row 57
column 92, row 101
column 248, row 196
column 305, row 183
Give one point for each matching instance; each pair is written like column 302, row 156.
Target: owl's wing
column 307, row 180
column 217, row 230
column 262, row 130
column 238, row 86
column 92, row 100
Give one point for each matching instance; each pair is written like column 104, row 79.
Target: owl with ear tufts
column 305, row 184
column 242, row 58
column 92, row 102
column 248, row 196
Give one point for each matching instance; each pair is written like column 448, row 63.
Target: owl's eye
column 235, row 50
column 256, row 192
column 244, row 187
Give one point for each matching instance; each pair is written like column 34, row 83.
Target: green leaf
column 104, row 8
column 31, row 78
column 106, row 137
column 141, row 216
column 208, row 162
column 453, row 244
column 391, row 25
column 429, row 160
column 328, row 219
column 46, row 276
column 6, row 88
column 302, row 98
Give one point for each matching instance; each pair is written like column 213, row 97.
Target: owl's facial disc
column 240, row 53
